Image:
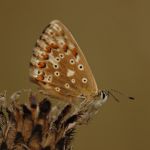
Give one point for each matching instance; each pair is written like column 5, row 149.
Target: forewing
column 59, row 66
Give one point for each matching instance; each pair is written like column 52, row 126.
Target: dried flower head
column 40, row 125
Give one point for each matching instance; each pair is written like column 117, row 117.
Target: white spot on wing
column 72, row 61
column 77, row 58
column 60, row 41
column 49, row 31
column 68, row 52
column 57, row 89
column 70, row 45
column 61, row 55
column 80, row 67
column 73, row 80
column 84, row 80
column 55, row 66
column 48, row 39
column 38, row 53
column 36, row 72
column 67, row 86
column 70, row 73
column 42, row 44
column 52, row 59
column 57, row 59
column 56, row 73
column 56, row 27
column 34, row 61
column 48, row 78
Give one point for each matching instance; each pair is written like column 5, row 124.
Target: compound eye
column 103, row 95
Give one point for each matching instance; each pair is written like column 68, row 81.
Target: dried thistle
column 40, row 125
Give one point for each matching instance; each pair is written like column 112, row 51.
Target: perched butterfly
column 59, row 66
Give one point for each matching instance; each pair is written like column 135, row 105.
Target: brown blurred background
column 114, row 35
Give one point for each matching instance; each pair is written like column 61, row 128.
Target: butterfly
column 60, row 68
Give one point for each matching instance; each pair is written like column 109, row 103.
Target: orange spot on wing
column 55, row 46
column 45, row 56
column 41, row 64
column 48, row 49
column 51, row 46
column 40, row 77
column 65, row 47
column 74, row 51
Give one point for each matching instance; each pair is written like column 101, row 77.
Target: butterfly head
column 103, row 95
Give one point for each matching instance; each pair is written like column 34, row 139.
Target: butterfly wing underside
column 59, row 66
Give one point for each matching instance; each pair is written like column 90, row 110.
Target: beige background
column 114, row 36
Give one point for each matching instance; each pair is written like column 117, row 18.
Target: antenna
column 115, row 98
column 118, row 92
column 129, row 97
